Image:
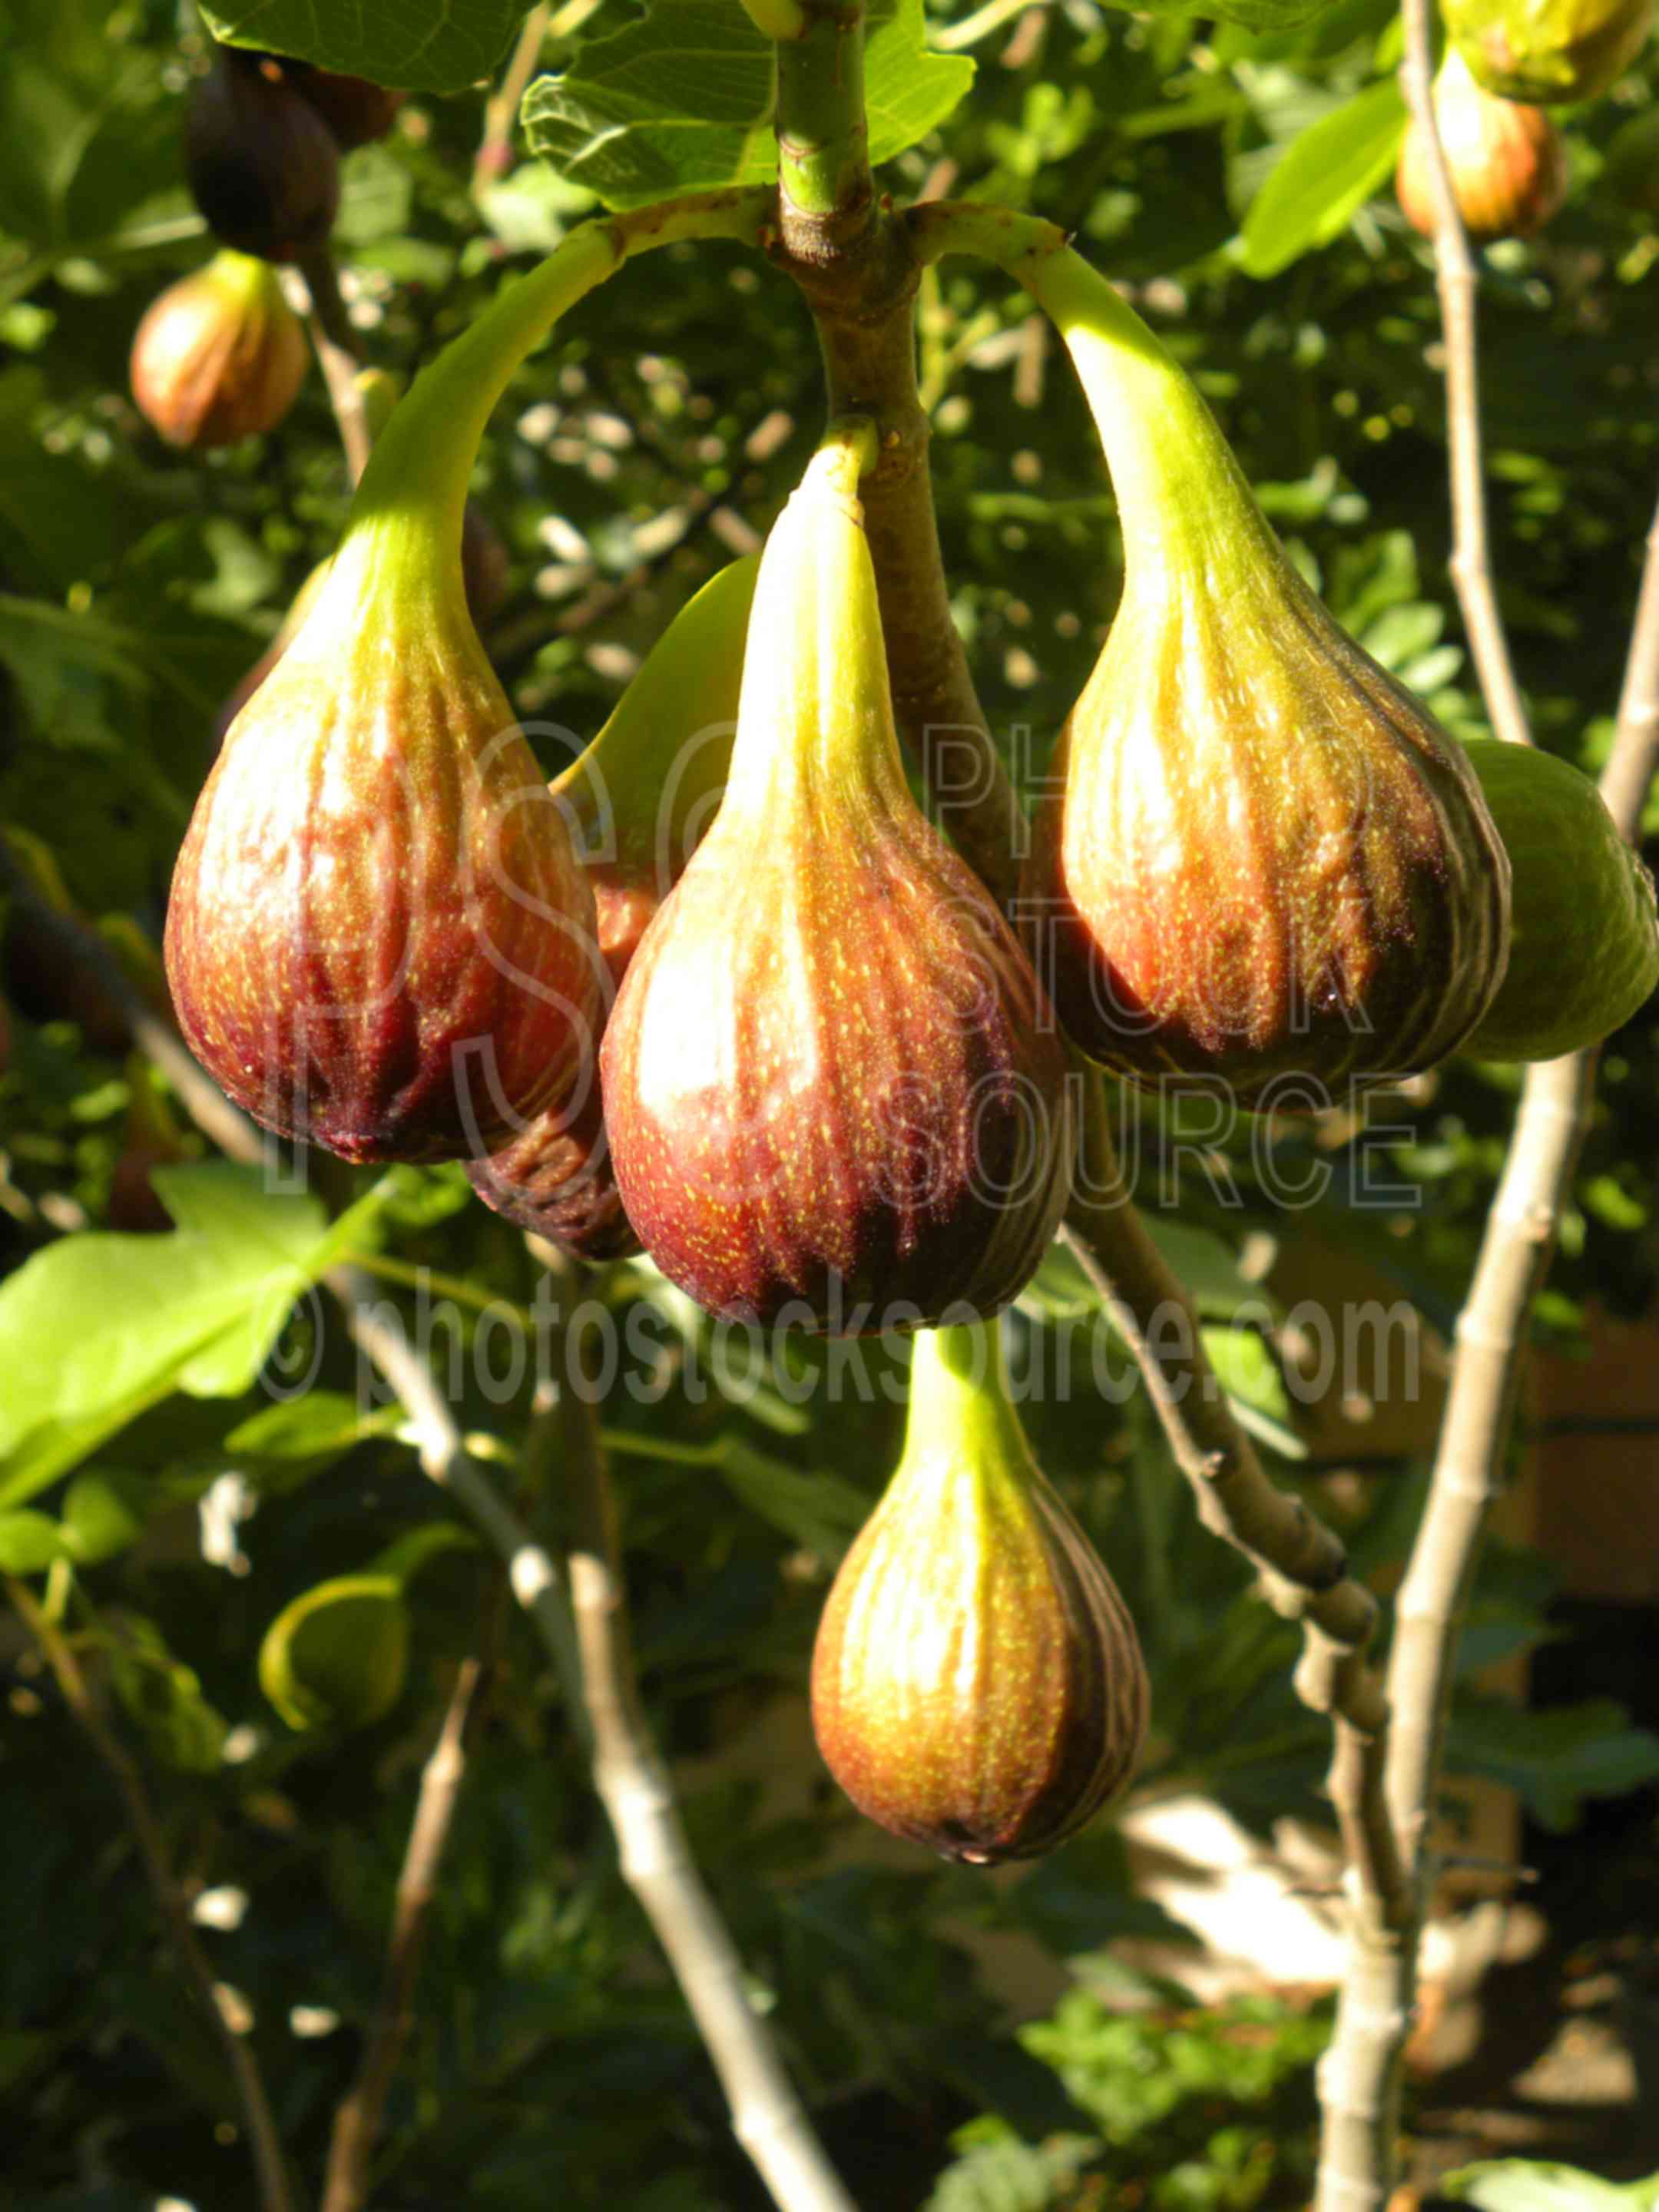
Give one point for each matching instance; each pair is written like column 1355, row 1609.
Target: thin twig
column 655, row 1856
column 1628, row 775
column 1454, row 278
column 357, row 2119
column 338, row 355
column 276, row 2192
column 590, row 1654
column 494, row 154
column 1360, row 2076
column 1301, row 1564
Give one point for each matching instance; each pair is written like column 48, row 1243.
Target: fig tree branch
column 767, row 2115
column 1455, row 278
column 358, row 2117
column 338, row 355
column 276, row 2191
column 1301, row 1564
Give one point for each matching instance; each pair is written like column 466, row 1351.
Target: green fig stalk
column 977, row 1682
column 835, row 1091
column 1258, row 859
column 378, row 936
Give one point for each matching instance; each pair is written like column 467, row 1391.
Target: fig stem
column 1179, row 488
column 849, row 448
column 824, row 140
column 424, row 457
column 959, row 1388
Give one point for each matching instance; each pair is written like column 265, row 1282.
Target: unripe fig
column 640, row 795
column 977, row 1683
column 219, row 355
column 1258, row 858
column 378, row 936
column 262, row 165
column 1550, row 52
column 1584, row 925
column 834, row 1091
column 483, row 579
column 1508, row 166
column 356, row 111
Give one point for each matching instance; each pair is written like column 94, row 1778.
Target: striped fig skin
column 834, row 1091
column 378, row 938
column 1264, row 861
column 555, row 1178
column 977, row 1682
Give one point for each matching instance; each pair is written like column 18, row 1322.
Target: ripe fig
column 977, row 1683
column 262, row 165
column 640, row 795
column 356, row 111
column 1508, row 166
column 378, row 936
column 1264, row 859
column 219, row 355
column 834, row 1091
column 1550, row 52
column 1584, row 925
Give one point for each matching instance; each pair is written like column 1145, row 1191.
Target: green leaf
column 1253, row 15
column 819, row 1510
column 131, row 1319
column 683, row 100
column 336, row 1656
column 441, row 46
column 1014, row 2177
column 100, row 1517
column 1552, row 1759
column 1328, row 174
column 1525, row 2184
column 162, row 1694
column 29, row 1542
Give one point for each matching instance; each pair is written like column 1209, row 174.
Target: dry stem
column 1455, row 277
column 338, row 355
column 357, row 2119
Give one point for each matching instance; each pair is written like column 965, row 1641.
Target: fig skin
column 1549, row 52
column 356, row 111
column 977, row 1682
column 1508, row 164
column 219, row 355
column 1257, row 858
column 1584, row 934
column 835, row 1093
column 639, row 793
column 556, row 1179
column 484, row 579
column 378, row 938
column 262, row 164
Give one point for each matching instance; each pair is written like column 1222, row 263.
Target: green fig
column 640, row 795
column 1257, row 856
column 1550, row 52
column 1508, row 164
column 835, row 1091
column 219, row 355
column 378, row 936
column 977, row 1682
column 262, row 166
column 1584, row 925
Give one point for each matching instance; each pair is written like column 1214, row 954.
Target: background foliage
column 157, row 1448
